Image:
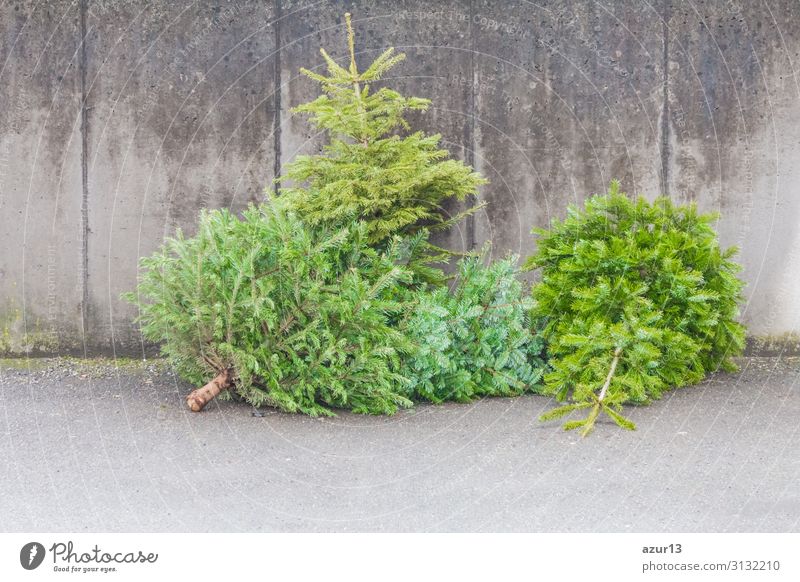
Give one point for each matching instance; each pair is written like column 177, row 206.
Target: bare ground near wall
column 98, row 446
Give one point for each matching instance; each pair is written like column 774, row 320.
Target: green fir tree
column 368, row 171
column 635, row 299
column 475, row 340
column 297, row 318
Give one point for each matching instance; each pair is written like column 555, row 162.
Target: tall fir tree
column 368, row 171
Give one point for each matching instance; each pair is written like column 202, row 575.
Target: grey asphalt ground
column 94, row 447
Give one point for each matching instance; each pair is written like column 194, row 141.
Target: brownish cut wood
column 198, row 398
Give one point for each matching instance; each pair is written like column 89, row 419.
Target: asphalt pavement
column 105, row 447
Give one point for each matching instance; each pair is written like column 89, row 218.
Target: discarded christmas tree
column 396, row 184
column 469, row 343
column 292, row 317
column 635, row 299
column 475, row 340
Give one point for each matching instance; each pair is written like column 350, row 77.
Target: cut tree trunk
column 198, row 399
column 613, row 369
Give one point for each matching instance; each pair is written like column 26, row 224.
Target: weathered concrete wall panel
column 41, row 236
column 181, row 118
column 568, row 96
column 106, row 147
column 733, row 136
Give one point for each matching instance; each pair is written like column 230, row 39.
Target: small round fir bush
column 635, row 298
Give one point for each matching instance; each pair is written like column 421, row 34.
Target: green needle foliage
column 323, row 299
column 474, row 341
column 303, row 318
column 635, row 299
column 368, row 172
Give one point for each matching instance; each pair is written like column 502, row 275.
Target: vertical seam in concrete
column 665, row 126
column 84, row 183
column 276, row 79
column 471, row 143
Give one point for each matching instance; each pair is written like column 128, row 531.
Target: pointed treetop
column 351, row 44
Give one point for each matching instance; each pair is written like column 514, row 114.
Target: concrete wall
column 119, row 120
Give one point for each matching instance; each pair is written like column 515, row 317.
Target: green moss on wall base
column 15, row 339
column 785, row 344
